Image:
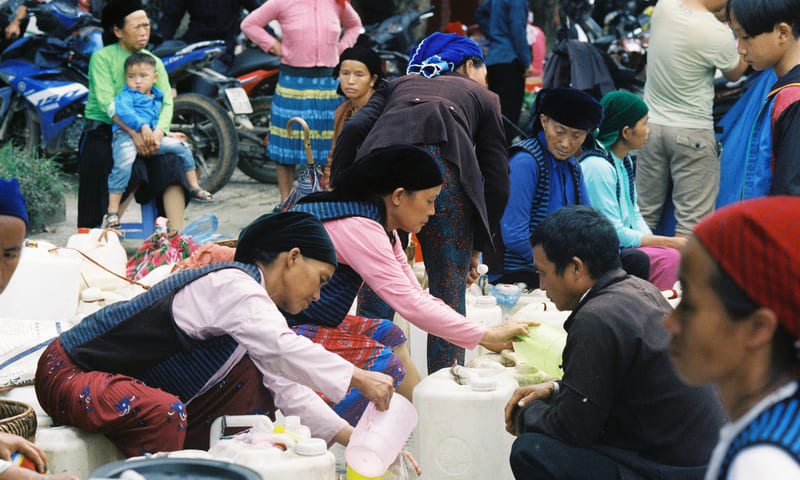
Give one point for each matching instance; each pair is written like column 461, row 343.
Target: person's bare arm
column 737, row 72
column 662, row 241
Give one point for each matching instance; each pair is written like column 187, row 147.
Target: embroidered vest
column 778, row 425
column 338, row 294
column 541, row 197
column 162, row 355
column 627, row 163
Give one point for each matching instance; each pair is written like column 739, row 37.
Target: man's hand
column 376, row 386
column 521, row 397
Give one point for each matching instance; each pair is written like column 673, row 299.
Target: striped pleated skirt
column 308, row 93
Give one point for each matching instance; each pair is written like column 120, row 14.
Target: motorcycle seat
column 252, row 60
column 168, row 48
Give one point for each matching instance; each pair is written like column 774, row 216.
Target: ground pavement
column 239, row 202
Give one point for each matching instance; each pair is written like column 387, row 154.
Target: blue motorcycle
column 45, row 87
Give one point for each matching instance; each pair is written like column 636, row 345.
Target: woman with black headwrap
column 151, row 373
column 443, row 106
column 359, row 73
column 392, row 188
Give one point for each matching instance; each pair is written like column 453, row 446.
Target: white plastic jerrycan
column 69, row 450
column 461, row 433
column 104, row 248
column 45, row 286
column 273, row 451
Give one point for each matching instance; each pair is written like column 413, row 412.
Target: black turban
column 115, row 11
column 281, row 232
column 386, row 169
column 570, row 107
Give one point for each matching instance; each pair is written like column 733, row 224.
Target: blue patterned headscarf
column 441, row 52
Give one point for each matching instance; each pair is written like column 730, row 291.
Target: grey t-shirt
column 686, row 48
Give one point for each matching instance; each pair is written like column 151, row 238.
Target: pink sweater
column 363, row 244
column 311, row 30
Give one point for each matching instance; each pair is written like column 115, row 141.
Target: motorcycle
column 257, row 73
column 246, row 94
column 393, row 40
column 46, row 86
column 211, row 124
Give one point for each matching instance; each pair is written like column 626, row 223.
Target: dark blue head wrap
column 441, row 52
column 11, row 200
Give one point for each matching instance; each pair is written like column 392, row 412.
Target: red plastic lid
column 84, row 230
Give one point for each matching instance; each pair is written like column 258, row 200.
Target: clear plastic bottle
column 162, row 225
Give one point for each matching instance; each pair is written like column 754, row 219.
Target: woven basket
column 17, row 418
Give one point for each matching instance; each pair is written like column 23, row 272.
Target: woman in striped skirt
column 310, row 49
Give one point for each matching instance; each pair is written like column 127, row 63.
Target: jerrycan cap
column 311, row 447
column 485, row 300
column 483, row 384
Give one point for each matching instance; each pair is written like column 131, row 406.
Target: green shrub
column 40, row 181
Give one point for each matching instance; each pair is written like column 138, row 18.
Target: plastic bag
column 403, row 468
column 310, row 179
column 204, row 230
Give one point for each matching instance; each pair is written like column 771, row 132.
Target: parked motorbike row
column 44, row 87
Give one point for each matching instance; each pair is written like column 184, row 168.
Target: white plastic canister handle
column 227, row 421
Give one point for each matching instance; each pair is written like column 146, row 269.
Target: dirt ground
column 239, row 202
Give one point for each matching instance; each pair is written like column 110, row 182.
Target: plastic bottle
column 485, row 311
column 379, row 436
column 542, row 348
column 20, row 460
column 483, row 281
column 161, row 225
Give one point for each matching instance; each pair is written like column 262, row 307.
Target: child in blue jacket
column 138, row 106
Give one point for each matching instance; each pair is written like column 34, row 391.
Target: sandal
column 111, row 220
column 201, row 195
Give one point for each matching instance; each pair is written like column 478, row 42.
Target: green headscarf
column 622, row 109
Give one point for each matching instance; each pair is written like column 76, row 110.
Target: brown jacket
column 459, row 115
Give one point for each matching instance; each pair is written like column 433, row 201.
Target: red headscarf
column 757, row 243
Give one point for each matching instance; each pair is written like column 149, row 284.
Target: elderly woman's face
column 562, row 141
column 300, row 279
column 136, row 32
column 707, row 345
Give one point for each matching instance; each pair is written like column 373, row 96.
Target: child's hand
column 178, row 135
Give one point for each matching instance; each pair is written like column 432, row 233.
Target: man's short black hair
column 761, row 16
column 578, row 231
column 138, row 59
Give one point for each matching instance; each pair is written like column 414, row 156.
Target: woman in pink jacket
column 310, row 49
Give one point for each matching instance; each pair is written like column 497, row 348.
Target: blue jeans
column 124, row 153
